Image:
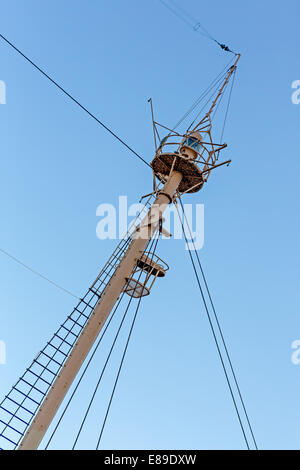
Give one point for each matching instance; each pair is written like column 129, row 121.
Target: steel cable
column 74, row 100
column 215, row 337
column 220, row 331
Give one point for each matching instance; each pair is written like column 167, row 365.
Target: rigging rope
column 74, row 100
column 212, row 86
column 207, row 102
column 221, row 332
column 39, row 274
column 193, row 23
column 196, row 24
column 214, row 335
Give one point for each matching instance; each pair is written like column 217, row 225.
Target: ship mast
column 182, row 163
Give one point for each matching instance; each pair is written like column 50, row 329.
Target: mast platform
column 164, row 163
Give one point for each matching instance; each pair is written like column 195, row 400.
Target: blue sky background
column 57, row 166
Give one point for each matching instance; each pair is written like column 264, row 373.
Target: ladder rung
column 14, row 443
column 69, row 331
column 103, row 284
column 81, row 313
column 64, row 340
column 41, row 378
column 24, row 394
column 21, row 406
column 32, row 386
column 105, row 278
column 17, row 417
column 51, row 359
column 86, row 303
column 44, row 367
column 95, row 293
column 11, row 427
column 58, row 350
column 76, row 322
column 105, row 272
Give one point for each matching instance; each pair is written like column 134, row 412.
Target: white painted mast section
column 112, row 292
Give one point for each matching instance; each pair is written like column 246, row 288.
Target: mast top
column 194, row 154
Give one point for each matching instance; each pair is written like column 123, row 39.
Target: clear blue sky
column 57, row 166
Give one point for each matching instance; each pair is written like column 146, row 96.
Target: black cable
column 179, row 16
column 215, row 337
column 39, row 274
column 194, row 24
column 221, row 332
column 125, row 350
column 74, row 100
